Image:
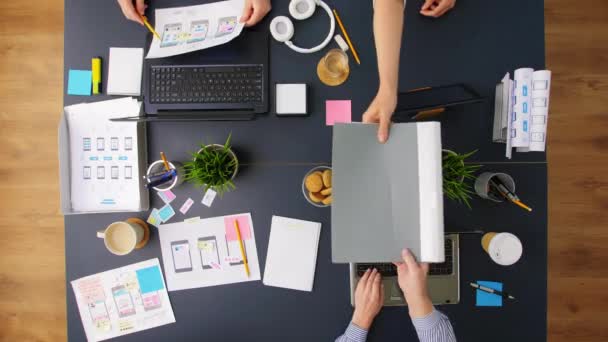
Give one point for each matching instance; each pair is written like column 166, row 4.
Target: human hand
column 412, row 281
column 254, row 11
column 436, row 8
column 131, row 11
column 381, row 111
column 369, row 297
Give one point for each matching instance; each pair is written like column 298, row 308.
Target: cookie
column 316, row 197
column 327, row 178
column 326, row 192
column 327, row 200
column 314, row 183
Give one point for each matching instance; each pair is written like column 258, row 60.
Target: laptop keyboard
column 389, row 270
column 207, row 84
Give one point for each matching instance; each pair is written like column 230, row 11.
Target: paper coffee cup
column 504, row 248
column 121, row 238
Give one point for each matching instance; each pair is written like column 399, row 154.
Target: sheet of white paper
column 123, row 301
column 104, row 156
column 541, row 88
column 192, row 28
column 124, row 71
column 509, row 143
column 292, row 253
column 522, row 94
column 207, row 266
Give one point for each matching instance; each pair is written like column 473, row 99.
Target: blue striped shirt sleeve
column 353, row 334
column 435, row 327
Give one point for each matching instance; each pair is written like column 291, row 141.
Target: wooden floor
column 32, row 265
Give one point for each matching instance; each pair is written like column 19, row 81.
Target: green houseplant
column 214, row 167
column 457, row 176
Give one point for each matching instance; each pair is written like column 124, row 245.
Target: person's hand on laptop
column 133, row 11
column 436, row 8
column 412, row 281
column 380, row 111
column 254, row 11
column 369, row 298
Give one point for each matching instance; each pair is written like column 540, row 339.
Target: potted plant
column 214, row 167
column 457, row 176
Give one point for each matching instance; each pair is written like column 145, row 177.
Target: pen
column 350, row 44
column 150, row 28
column 506, row 193
column 243, row 255
column 489, row 290
column 155, row 180
column 162, row 156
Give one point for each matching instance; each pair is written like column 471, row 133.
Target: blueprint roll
column 520, row 115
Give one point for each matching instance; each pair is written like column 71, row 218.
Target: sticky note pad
column 290, row 99
column 80, row 82
column 489, row 299
column 166, row 196
column 150, row 279
column 165, row 213
column 154, row 219
column 243, row 227
column 337, row 111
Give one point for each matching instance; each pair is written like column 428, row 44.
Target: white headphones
column 282, row 29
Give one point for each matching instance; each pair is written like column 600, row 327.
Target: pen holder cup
column 158, row 166
column 482, row 185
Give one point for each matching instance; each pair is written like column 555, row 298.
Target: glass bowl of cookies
column 316, row 186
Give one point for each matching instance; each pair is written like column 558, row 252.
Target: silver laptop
column 443, row 279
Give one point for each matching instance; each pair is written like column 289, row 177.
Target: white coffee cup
column 121, row 237
column 504, row 248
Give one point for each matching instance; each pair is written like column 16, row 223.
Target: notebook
column 292, row 253
column 125, row 70
column 387, row 196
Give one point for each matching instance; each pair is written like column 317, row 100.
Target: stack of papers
column 292, row 253
column 101, row 160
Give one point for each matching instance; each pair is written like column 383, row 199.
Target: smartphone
column 171, row 35
column 182, row 261
column 99, row 313
column 198, row 31
column 207, row 247
column 234, row 252
column 123, row 300
column 151, row 300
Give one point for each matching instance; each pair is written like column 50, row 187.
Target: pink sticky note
column 243, row 227
column 337, row 111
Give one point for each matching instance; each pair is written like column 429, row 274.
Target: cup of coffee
column 333, row 68
column 504, row 248
column 122, row 237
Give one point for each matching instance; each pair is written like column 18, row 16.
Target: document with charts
column 104, row 158
column 191, row 28
column 206, row 252
column 123, row 300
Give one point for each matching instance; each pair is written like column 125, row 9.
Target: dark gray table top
column 473, row 44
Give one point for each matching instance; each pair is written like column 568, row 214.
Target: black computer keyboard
column 207, row 84
column 389, row 270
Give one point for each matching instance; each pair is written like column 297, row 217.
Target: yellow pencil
column 350, row 44
column 162, row 156
column 519, row 203
column 143, row 17
column 243, row 255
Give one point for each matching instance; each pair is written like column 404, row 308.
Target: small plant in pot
column 457, row 176
column 213, row 167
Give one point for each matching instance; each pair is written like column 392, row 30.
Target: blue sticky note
column 79, row 82
column 165, row 213
column 489, row 299
column 149, row 279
